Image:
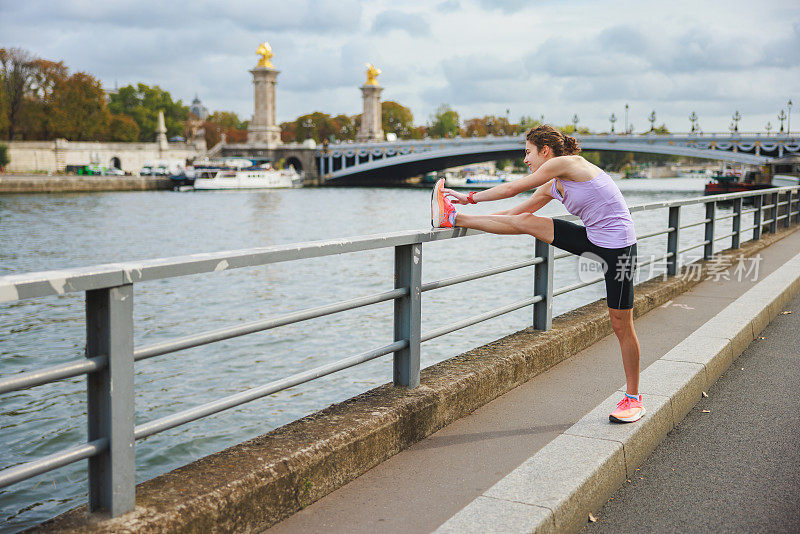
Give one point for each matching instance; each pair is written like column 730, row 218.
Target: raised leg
column 525, row 223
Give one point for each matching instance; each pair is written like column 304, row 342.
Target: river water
column 43, row 232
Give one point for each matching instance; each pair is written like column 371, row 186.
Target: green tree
column 526, row 123
column 397, row 119
column 444, row 122
column 79, row 110
column 143, row 102
column 4, row 159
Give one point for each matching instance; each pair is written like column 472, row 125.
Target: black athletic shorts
column 618, row 264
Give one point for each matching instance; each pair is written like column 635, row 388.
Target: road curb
column 576, row 473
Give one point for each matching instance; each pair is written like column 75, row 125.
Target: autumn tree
column 79, row 110
column 143, row 103
column 396, row 119
column 444, row 122
column 16, row 66
column 122, row 128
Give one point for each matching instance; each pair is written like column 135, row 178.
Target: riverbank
column 36, row 183
column 253, row 485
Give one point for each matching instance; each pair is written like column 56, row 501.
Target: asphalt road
column 735, row 468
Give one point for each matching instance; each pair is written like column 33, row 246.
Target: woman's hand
column 455, row 197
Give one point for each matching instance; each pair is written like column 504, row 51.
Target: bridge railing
column 110, row 352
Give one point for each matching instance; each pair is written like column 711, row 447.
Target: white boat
column 782, row 180
column 694, row 173
column 258, row 177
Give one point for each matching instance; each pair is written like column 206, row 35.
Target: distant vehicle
column 93, row 170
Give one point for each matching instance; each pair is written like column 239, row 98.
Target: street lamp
column 736, row 118
column 732, row 128
column 627, row 129
column 575, row 121
column 789, row 117
column 612, row 119
column 652, row 119
column 782, row 117
column 693, row 119
column 768, row 127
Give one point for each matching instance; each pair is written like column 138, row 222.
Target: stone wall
column 54, row 156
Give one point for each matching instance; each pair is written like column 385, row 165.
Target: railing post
column 797, row 215
column 672, row 239
column 737, row 223
column 788, row 220
column 408, row 313
column 109, row 332
column 758, row 201
column 708, row 249
column 773, row 225
column 543, row 285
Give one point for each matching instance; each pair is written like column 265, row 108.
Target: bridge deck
column 422, row 487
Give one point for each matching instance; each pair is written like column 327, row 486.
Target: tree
column 37, row 109
column 444, row 122
column 345, row 127
column 79, row 110
column 143, row 102
column 16, row 67
column 488, row 125
column 397, row 119
column 226, row 122
column 4, row 159
column 122, row 128
column 526, row 123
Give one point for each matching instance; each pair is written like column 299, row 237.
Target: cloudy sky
column 532, row 57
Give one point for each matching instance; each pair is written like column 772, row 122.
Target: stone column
column 371, row 129
column 262, row 129
column 161, row 129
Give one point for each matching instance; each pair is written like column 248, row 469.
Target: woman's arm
column 550, row 169
column 537, row 201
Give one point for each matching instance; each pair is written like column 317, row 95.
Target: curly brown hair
column 560, row 144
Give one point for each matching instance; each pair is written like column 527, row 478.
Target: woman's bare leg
column 524, row 223
column 622, row 322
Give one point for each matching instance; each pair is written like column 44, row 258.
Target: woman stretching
column 586, row 191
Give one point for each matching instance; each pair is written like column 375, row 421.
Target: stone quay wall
column 251, row 486
column 54, row 156
column 79, row 184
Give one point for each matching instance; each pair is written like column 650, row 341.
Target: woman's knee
column 621, row 321
column 534, row 225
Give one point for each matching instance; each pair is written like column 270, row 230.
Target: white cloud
column 480, row 56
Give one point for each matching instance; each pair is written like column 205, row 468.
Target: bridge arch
column 376, row 163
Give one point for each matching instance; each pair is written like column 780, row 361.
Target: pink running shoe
column 443, row 213
column 628, row 410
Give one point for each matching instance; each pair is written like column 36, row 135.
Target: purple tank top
column 600, row 205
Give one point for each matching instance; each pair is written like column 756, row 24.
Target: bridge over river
column 377, row 163
column 512, row 436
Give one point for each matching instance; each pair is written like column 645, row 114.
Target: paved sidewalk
column 422, row 487
column 735, row 468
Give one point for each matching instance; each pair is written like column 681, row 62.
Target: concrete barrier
column 80, row 184
column 569, row 484
column 254, row 485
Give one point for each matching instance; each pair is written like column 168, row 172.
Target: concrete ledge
column 80, row 184
column 588, row 470
column 254, row 485
column 504, row 517
column 671, row 387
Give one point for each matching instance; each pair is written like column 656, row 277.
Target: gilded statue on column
column 265, row 51
column 372, row 74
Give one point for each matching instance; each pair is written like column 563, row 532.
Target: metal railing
column 110, row 351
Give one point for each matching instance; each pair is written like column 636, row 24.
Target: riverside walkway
column 441, row 482
column 731, row 465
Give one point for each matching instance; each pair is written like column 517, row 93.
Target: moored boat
column 262, row 176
